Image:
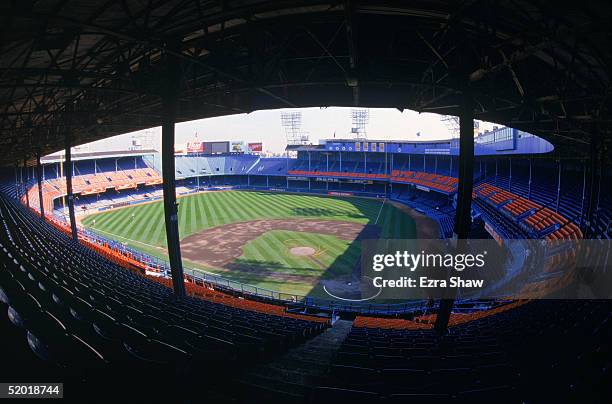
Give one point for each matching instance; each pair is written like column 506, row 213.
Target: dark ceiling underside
column 96, row 68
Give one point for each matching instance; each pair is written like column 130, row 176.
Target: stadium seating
column 65, row 296
column 95, row 304
column 441, row 183
column 533, row 217
column 483, row 360
column 349, row 174
column 93, row 184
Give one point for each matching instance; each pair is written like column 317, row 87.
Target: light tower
column 452, row 124
column 292, row 123
column 142, row 140
column 360, row 117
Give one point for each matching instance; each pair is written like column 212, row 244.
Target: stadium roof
column 86, row 155
column 97, row 67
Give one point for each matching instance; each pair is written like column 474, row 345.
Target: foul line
column 124, row 238
column 380, row 210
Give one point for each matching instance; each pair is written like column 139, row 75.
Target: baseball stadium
column 466, row 263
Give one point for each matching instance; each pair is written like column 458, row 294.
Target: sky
column 319, row 123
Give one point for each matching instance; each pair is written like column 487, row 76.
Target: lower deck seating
column 542, row 351
column 76, row 307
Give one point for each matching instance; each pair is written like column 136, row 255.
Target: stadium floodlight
column 360, row 117
column 291, row 122
column 142, row 140
column 452, row 124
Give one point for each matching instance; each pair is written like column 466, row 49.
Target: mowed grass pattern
column 145, row 223
column 265, row 261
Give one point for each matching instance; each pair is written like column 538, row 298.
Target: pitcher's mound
column 302, row 251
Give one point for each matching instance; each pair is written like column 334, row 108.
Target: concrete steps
column 293, row 374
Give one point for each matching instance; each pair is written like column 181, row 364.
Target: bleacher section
column 193, row 166
column 274, row 166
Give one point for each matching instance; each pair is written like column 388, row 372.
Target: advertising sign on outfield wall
column 195, row 147
column 216, row 147
column 237, row 146
column 255, row 147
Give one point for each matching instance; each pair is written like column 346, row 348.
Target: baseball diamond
column 259, row 238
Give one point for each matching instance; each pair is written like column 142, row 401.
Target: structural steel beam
column 595, row 164
column 170, row 100
column 27, row 195
column 40, row 192
column 463, row 215
column 69, row 194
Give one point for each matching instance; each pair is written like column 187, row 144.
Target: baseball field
column 279, row 241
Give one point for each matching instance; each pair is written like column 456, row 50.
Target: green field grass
column 142, row 227
column 270, row 256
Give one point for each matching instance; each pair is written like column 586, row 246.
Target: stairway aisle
column 292, row 375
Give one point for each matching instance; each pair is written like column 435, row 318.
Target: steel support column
column 529, row 185
column 463, row 218
column 17, row 182
column 496, row 171
column 485, row 170
column 584, row 178
column 510, row 174
column 69, row 194
column 169, row 101
column 40, row 192
column 558, row 188
column 591, row 182
column 20, row 177
column 27, row 191
column 463, row 215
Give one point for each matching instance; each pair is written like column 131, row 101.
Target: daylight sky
column 318, row 123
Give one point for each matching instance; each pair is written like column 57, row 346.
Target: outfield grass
column 143, row 227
